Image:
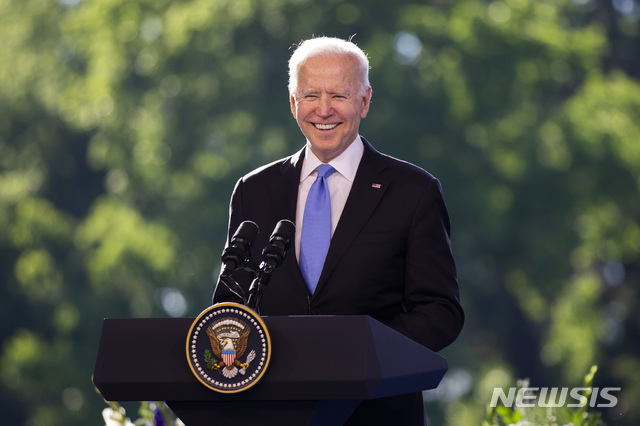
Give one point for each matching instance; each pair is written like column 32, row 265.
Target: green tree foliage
column 124, row 125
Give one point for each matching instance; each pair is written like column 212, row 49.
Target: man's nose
column 325, row 107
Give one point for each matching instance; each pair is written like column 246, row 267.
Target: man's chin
column 326, row 150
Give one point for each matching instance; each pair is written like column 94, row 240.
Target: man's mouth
column 325, row 126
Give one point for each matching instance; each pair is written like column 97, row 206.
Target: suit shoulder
column 275, row 168
column 386, row 164
column 402, row 168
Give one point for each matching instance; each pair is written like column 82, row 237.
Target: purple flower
column 158, row 417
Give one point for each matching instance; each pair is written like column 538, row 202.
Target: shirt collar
column 346, row 163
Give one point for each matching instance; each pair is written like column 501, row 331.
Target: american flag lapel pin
column 376, row 185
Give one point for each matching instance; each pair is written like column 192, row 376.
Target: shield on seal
column 229, row 355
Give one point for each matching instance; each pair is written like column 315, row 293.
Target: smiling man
column 372, row 231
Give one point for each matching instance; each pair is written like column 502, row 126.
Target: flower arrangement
column 154, row 413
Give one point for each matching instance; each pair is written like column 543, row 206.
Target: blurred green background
column 124, row 125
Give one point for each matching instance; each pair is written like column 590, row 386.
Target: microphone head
column 247, row 231
column 285, row 230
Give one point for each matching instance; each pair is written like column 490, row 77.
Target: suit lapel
column 283, row 191
column 366, row 192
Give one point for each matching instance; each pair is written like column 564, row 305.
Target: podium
column 321, row 368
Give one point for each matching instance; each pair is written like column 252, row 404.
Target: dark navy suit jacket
column 390, row 257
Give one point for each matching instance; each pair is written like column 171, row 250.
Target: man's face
column 329, row 103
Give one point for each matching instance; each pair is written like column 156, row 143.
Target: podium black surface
column 321, row 368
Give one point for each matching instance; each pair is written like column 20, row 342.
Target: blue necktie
column 316, row 228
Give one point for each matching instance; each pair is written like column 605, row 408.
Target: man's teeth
column 325, row 126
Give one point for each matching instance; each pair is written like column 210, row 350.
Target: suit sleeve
column 433, row 315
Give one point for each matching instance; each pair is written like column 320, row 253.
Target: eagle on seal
column 229, row 354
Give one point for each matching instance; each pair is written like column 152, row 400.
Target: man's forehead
column 344, row 82
column 331, row 89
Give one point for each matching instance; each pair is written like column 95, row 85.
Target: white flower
column 115, row 418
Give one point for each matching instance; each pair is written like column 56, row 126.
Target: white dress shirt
column 339, row 183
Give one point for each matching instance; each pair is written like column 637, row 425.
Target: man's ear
column 292, row 103
column 366, row 102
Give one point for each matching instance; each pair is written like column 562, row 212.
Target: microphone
column 279, row 243
column 273, row 255
column 238, row 253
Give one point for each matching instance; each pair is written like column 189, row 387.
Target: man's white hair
column 327, row 46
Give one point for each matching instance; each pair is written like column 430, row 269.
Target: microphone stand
column 233, row 287
column 259, row 284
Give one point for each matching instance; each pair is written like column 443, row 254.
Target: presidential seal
column 228, row 347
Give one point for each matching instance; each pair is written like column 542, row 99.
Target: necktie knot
column 324, row 170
